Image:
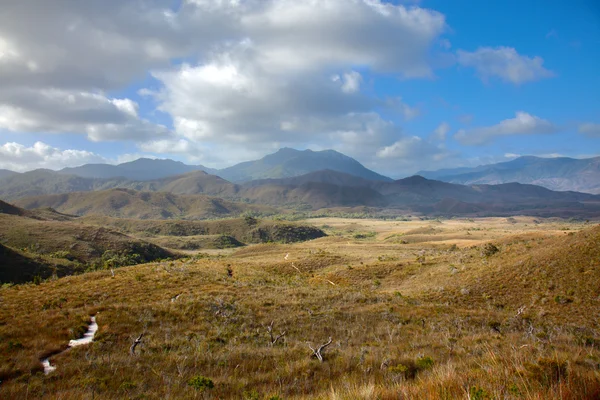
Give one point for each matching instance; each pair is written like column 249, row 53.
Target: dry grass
column 400, row 325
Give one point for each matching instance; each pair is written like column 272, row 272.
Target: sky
column 401, row 86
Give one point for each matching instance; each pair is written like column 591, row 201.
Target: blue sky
column 401, row 86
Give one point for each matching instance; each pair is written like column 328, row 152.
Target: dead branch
column 174, row 298
column 135, row 344
column 318, row 352
column 274, row 339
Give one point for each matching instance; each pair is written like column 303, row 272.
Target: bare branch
column 274, row 339
column 174, row 298
column 135, row 344
column 318, row 352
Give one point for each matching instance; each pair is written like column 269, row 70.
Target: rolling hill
column 45, row 243
column 142, row 169
column 561, row 173
column 128, row 203
column 46, row 182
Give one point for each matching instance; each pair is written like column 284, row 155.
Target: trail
column 87, row 338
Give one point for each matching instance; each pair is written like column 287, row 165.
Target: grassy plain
column 414, row 309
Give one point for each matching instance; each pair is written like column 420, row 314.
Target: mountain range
column 148, row 189
column 186, row 196
column 284, row 163
column 561, row 173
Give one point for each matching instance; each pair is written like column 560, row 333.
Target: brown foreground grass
column 409, row 319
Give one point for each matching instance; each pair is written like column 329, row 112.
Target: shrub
column 477, row 393
column 424, row 363
column 489, row 250
column 547, row 371
column 201, row 383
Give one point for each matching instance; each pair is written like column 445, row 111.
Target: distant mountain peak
column 287, row 163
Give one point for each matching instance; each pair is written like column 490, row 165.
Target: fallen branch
column 318, row 352
column 135, row 344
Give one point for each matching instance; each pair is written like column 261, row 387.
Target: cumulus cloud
column 59, row 111
column 411, row 154
column 522, row 124
column 590, row 129
column 411, row 147
column 504, row 63
column 17, row 157
column 257, row 73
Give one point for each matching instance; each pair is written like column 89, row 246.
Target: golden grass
column 401, row 326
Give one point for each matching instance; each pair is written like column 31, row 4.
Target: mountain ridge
column 560, row 173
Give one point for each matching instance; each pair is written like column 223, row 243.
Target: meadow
column 494, row 308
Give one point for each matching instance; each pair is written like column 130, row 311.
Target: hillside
column 290, row 162
column 127, row 203
column 18, row 268
column 323, row 176
column 42, row 182
column 5, row 173
column 43, row 243
column 545, row 275
column 561, row 173
column 142, row 169
column 313, row 195
column 198, row 182
column 415, row 309
column 243, row 230
column 46, row 182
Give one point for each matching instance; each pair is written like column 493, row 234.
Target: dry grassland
column 415, row 310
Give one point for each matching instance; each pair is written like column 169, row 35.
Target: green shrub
column 424, row 363
column 201, row 383
column 477, row 393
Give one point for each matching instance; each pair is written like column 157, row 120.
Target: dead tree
column 274, row 339
column 135, row 344
column 318, row 352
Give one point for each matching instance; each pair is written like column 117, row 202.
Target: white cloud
column 351, row 82
column 300, row 35
column 16, row 157
column 511, row 155
column 411, row 154
column 504, row 63
column 441, row 131
column 590, row 129
column 412, row 148
column 61, row 111
column 257, row 72
column 522, row 124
